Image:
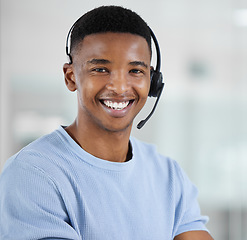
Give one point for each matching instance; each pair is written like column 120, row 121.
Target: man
column 91, row 180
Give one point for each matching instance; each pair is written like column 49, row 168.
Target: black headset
column 156, row 77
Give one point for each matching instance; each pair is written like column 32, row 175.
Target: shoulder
column 149, row 156
column 164, row 168
column 42, row 162
column 49, row 143
column 42, row 156
column 150, row 151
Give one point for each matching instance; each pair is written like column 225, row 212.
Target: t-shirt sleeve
column 188, row 209
column 31, row 206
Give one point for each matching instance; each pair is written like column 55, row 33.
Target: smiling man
column 91, row 180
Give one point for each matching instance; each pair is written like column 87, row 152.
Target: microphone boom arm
column 142, row 122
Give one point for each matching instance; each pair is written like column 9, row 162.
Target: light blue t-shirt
column 53, row 189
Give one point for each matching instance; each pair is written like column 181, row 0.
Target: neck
column 107, row 145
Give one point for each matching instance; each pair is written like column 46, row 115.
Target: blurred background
column 200, row 120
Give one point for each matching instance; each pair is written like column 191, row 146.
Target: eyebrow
column 105, row 61
column 138, row 63
column 98, row 61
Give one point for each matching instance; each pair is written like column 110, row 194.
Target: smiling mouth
column 116, row 105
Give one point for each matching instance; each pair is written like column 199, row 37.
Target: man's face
column 111, row 73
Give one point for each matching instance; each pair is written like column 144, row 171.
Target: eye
column 136, row 71
column 100, row 70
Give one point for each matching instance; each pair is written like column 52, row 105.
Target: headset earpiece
column 156, row 83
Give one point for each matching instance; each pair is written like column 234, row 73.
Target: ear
column 69, row 77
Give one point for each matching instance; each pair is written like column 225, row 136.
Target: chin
column 114, row 128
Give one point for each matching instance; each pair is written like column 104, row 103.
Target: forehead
column 113, row 43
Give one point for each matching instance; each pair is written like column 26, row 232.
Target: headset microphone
column 156, row 82
column 142, row 122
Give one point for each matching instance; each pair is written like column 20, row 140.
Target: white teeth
column 116, row 105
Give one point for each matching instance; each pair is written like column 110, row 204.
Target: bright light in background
column 240, row 17
column 28, row 123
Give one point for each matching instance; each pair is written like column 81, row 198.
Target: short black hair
column 109, row 19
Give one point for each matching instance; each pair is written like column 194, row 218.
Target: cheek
column 88, row 91
column 143, row 88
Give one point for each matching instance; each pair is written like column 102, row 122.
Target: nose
column 118, row 82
